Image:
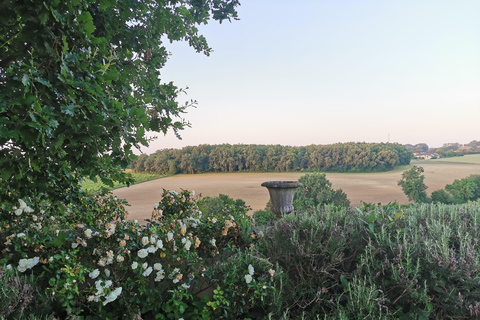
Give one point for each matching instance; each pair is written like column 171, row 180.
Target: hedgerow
column 370, row 262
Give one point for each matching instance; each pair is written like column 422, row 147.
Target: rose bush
column 91, row 261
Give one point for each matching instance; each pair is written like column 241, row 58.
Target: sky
column 326, row 71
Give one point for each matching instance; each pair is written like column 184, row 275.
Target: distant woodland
column 454, row 149
column 340, row 157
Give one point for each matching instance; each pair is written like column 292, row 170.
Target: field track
column 368, row 187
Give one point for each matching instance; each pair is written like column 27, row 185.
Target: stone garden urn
column 281, row 195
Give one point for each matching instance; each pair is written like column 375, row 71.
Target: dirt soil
column 368, row 187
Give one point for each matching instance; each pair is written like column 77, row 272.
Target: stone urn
column 281, row 195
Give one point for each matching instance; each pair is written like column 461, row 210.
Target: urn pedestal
column 281, row 195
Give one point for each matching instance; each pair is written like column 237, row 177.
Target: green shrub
column 317, row 191
column 313, row 250
column 262, row 217
column 222, row 205
column 377, row 262
column 99, row 265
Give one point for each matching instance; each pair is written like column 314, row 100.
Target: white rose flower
column 99, row 287
column 159, row 244
column 23, row 205
column 169, row 236
column 145, row 241
column 142, row 253
column 24, row 264
column 147, row 272
column 95, row 273
column 188, row 244
column 145, row 265
column 157, row 266
column 160, row 276
column 113, row 295
column 108, row 283
column 88, row 233
column 107, row 272
column 248, row 278
column 134, row 265
column 251, row 271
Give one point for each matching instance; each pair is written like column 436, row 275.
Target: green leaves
column 68, row 109
column 85, row 18
column 25, row 80
column 82, row 89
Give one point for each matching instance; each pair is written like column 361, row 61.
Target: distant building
column 426, row 155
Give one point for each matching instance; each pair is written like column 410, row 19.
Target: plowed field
column 368, row 187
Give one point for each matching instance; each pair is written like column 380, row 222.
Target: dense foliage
column 413, row 184
column 80, row 85
column 370, row 262
column 340, row 157
column 317, row 191
column 460, row 191
column 374, row 262
column 95, row 263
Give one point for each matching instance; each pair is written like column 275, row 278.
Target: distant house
column 426, row 155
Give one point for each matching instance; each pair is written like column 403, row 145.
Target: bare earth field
column 368, row 187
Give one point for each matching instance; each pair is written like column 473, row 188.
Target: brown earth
column 368, row 187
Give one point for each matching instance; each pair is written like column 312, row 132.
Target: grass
column 92, row 186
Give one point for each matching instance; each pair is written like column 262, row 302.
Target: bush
column 317, row 191
column 222, row 204
column 370, row 262
column 263, row 217
column 313, row 250
column 377, row 262
column 102, row 266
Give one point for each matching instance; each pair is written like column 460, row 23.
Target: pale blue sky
column 320, row 72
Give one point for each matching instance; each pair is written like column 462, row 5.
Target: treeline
column 454, row 149
column 340, row 157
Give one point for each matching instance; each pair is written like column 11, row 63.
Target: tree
column 79, row 86
column 442, row 196
column 413, row 186
column 316, row 191
column 464, row 190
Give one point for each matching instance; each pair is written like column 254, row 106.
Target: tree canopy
column 339, row 157
column 413, row 185
column 317, row 191
column 80, row 85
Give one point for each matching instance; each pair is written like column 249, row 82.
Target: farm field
column 369, row 187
